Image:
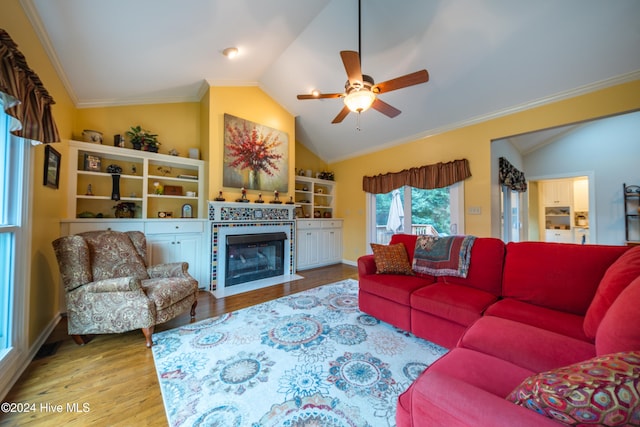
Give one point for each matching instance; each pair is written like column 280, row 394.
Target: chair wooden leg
column 81, row 339
column 193, row 309
column 148, row 332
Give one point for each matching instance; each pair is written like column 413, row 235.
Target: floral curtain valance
column 23, row 95
column 427, row 177
column 511, row 177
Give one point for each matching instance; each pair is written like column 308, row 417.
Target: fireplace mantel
column 239, row 212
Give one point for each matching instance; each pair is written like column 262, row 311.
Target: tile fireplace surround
column 235, row 218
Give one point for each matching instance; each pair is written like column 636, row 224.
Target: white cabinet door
column 558, row 193
column 166, row 248
column 331, row 248
column 308, row 247
column 581, row 195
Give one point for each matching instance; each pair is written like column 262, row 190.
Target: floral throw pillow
column 601, row 391
column 391, row 259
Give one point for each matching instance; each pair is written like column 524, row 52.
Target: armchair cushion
column 113, row 254
column 73, row 253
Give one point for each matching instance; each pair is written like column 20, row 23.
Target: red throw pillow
column 391, row 259
column 601, row 391
column 620, row 328
column 617, row 277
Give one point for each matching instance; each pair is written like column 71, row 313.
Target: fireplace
column 252, row 246
column 254, row 256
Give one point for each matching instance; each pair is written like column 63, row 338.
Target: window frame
column 14, row 356
column 456, row 207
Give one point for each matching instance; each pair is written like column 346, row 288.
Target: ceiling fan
column 360, row 90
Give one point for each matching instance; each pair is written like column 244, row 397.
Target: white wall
column 609, row 150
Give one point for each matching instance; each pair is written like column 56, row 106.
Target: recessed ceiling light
column 230, row 52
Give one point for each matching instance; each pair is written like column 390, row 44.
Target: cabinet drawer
column 173, row 226
column 331, row 224
column 81, row 227
column 308, row 224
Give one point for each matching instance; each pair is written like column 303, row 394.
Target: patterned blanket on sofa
column 443, row 256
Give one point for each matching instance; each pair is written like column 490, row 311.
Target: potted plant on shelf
column 143, row 139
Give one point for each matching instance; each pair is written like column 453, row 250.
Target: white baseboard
column 21, row 365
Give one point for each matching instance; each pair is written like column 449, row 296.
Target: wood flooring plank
column 115, row 374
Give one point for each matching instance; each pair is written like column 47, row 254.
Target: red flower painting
column 255, row 155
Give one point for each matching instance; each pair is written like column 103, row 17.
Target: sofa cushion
column 443, row 256
column 391, row 259
column 524, row 345
column 409, row 242
column 620, row 328
column 485, row 268
column 540, row 317
column 460, row 304
column 396, row 288
column 601, row 391
column 560, row 276
column 617, row 277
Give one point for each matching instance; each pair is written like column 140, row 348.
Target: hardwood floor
column 112, row 379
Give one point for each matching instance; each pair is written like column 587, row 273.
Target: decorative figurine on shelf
column 243, row 199
column 164, row 170
column 276, row 200
column 316, row 214
column 259, row 199
column 219, row 198
column 89, row 191
column 290, row 202
column 125, row 210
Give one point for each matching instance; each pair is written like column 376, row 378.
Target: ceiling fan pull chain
column 358, row 128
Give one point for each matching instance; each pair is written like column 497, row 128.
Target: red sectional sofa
column 523, row 309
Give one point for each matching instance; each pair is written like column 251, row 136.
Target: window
column 14, row 190
column 416, row 211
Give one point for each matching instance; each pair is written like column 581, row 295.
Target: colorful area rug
column 308, row 359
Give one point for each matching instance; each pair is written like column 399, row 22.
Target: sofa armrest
column 172, row 269
column 438, row 399
column 116, row 284
column 366, row 265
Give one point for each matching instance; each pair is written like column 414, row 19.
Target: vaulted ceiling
column 485, row 57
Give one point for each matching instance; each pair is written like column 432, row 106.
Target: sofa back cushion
column 409, row 241
column 620, row 327
column 560, row 276
column 617, row 277
column 485, row 269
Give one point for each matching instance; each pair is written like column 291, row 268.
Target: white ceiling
column 485, row 57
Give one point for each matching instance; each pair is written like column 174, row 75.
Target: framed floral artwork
column 256, row 157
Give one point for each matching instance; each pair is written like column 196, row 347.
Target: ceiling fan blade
column 321, row 96
column 351, row 61
column 418, row 77
column 341, row 115
column 385, row 108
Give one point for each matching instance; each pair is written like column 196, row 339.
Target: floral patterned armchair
column 110, row 288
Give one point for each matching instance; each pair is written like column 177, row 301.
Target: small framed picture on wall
column 51, row 167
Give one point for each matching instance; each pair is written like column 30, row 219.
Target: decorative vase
column 254, row 180
column 115, row 184
column 137, row 145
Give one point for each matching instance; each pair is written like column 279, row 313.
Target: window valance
column 511, row 177
column 427, row 177
column 23, row 95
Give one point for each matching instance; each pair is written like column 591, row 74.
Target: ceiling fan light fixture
column 359, row 100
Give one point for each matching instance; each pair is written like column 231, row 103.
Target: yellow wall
column 250, row 103
column 471, row 142
column 306, row 159
column 46, row 202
